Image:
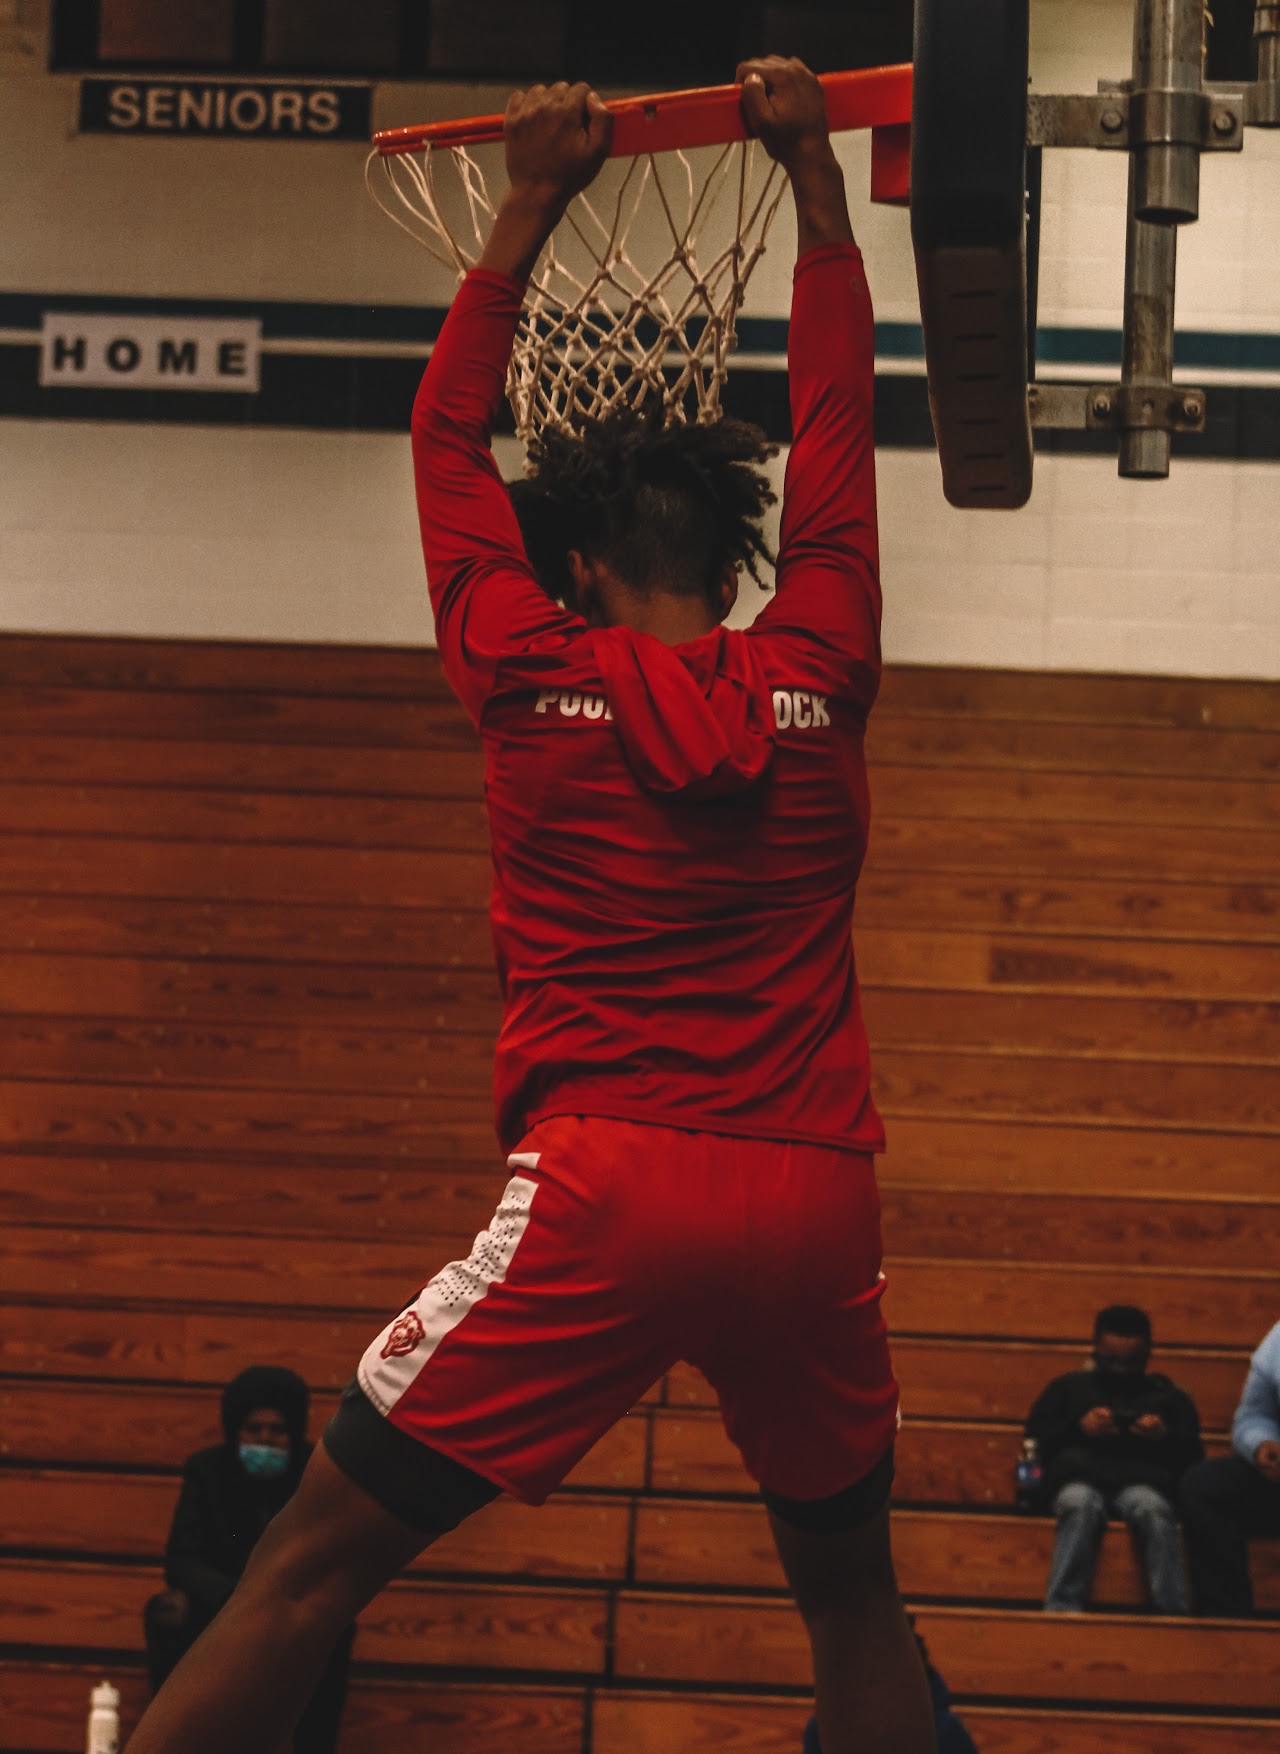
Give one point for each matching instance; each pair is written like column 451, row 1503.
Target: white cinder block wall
column 202, row 531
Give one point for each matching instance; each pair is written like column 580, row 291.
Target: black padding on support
column 429, row 1491
column 968, row 198
column 969, row 123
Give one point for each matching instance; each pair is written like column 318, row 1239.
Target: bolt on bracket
column 1117, row 119
column 1116, row 407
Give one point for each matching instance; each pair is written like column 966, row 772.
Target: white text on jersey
column 571, row 703
column 792, row 707
column 795, row 706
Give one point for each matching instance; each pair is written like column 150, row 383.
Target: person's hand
column 1267, row 1457
column 557, row 137
column 784, row 108
column 1099, row 1422
column 1150, row 1425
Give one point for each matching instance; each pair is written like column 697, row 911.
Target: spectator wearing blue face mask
column 230, row 1492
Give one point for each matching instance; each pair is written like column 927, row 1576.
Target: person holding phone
column 1115, row 1439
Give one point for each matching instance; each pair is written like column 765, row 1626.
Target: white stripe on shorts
column 396, row 1358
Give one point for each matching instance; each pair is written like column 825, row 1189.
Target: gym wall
column 288, row 514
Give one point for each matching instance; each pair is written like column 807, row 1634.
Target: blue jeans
column 1082, row 1511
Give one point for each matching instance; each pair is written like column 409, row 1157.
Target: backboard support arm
column 1164, row 116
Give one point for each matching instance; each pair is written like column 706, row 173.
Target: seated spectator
column 1114, row 1440
column 1228, row 1499
column 953, row 1737
column 230, row 1493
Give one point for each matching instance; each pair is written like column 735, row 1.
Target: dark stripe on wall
column 350, row 393
column 1194, row 349
column 1242, row 425
column 294, row 320
column 332, row 392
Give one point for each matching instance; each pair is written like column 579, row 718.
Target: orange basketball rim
column 878, row 98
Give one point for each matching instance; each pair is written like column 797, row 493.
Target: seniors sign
column 225, row 108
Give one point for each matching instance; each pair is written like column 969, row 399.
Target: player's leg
column 870, row 1684
column 244, row 1684
column 515, row 1361
column 799, row 1357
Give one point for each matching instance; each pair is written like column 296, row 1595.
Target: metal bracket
column 1117, row 407
column 1117, row 118
column 1058, row 120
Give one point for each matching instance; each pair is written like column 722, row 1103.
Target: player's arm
column 828, row 557
column 485, row 599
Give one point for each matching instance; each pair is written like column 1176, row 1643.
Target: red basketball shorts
column 617, row 1250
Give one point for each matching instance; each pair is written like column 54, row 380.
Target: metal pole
column 1168, row 59
column 1265, row 109
column 1164, row 191
column 1150, row 262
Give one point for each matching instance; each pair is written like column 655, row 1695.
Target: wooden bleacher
column 247, row 1022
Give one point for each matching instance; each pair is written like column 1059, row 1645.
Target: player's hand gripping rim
column 557, row 137
column 785, row 108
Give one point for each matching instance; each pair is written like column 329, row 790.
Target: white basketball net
column 600, row 328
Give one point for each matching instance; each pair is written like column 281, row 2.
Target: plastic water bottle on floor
column 1027, row 1475
column 103, row 1733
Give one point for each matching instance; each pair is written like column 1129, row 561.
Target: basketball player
column 679, row 814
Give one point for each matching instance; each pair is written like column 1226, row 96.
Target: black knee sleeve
column 846, row 1510
column 170, row 1611
column 427, row 1490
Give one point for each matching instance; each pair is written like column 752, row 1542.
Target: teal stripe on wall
column 297, row 321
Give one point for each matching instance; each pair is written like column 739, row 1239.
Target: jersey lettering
column 796, row 706
column 591, row 706
column 791, row 707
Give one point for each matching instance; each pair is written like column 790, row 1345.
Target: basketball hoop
column 637, row 295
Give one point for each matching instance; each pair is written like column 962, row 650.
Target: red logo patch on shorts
column 406, row 1332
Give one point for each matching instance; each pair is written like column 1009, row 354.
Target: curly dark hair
column 665, row 507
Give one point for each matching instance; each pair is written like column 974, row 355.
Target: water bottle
column 103, row 1733
column 1027, row 1475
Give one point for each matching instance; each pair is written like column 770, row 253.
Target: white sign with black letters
column 149, row 353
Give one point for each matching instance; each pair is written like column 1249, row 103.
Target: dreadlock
column 665, row 507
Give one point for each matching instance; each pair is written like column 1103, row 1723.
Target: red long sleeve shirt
column 677, row 831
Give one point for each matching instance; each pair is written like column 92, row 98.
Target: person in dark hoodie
column 1115, row 1439
column 678, row 815
column 230, row 1492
